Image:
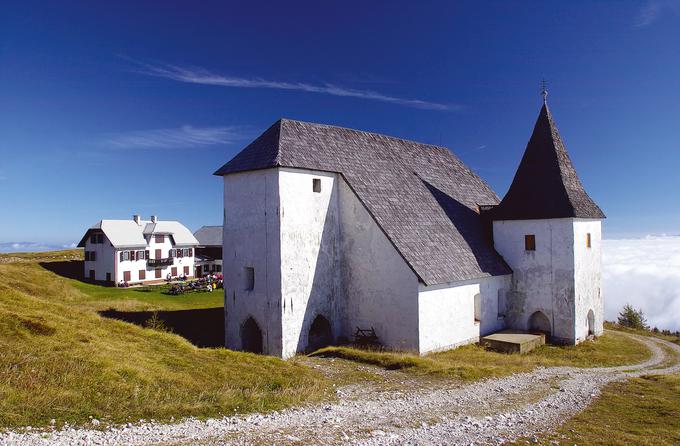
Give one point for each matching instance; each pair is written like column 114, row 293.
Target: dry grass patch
column 59, row 359
column 642, row 411
column 473, row 362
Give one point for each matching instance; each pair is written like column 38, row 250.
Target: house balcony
column 156, row 263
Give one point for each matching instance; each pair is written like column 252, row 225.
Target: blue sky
column 110, row 110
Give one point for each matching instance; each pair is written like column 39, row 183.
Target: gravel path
column 485, row 412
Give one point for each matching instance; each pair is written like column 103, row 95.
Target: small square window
column 588, row 241
column 316, row 185
column 248, row 278
column 159, row 238
column 530, row 242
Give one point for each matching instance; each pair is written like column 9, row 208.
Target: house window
column 93, row 256
column 316, row 185
column 93, row 238
column 173, row 271
column 186, row 271
column 248, row 278
column 87, row 256
column 158, row 273
column 530, row 242
column 588, row 241
column 478, row 308
column 126, row 255
column 100, row 238
column 142, row 274
column 158, row 254
column 91, row 274
column 126, row 276
column 159, row 238
column 108, row 277
column 218, row 268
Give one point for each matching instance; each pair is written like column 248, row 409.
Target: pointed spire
column 546, row 184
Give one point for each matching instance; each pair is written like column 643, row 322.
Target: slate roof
column 546, row 184
column 423, row 197
column 129, row 234
column 209, row 236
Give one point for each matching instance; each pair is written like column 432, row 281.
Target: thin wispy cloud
column 194, row 75
column 174, row 138
column 652, row 10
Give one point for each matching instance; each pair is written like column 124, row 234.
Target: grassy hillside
column 59, row 359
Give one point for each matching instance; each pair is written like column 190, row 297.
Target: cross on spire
column 544, row 91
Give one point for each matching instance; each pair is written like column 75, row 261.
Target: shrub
column 632, row 318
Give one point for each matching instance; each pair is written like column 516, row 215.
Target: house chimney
column 137, row 218
column 154, row 219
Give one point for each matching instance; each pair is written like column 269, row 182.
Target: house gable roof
column 546, row 184
column 422, row 196
column 209, row 236
column 129, row 234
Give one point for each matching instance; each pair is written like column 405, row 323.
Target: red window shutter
column 191, row 252
column 158, row 253
column 121, row 256
column 132, row 255
column 180, row 253
column 146, row 254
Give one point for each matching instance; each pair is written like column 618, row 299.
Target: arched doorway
column 251, row 336
column 320, row 334
column 539, row 322
column 591, row 323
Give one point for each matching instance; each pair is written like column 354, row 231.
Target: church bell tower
column 548, row 230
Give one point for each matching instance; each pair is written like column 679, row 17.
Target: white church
column 328, row 230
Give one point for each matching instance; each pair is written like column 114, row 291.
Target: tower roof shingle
column 546, row 184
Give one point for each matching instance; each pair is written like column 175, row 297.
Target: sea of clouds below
column 645, row 273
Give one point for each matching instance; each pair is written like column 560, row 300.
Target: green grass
column 145, row 298
column 473, row 362
column 643, row 411
column 59, row 359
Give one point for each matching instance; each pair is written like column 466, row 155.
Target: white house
column 328, row 229
column 138, row 251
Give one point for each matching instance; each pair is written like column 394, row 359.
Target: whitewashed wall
column 310, row 279
column 588, row 276
column 251, row 239
column 380, row 289
column 543, row 280
column 104, row 259
column 447, row 316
